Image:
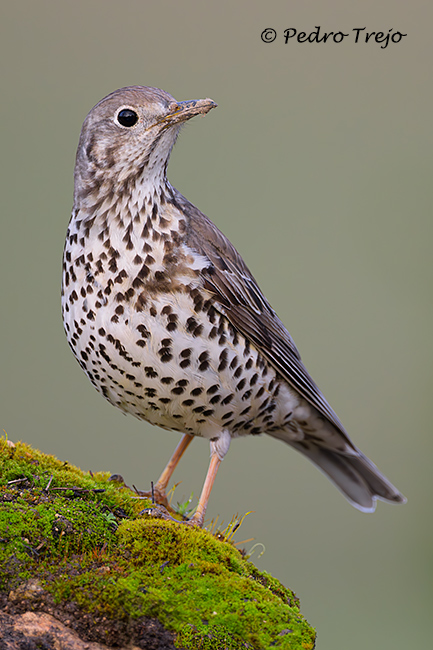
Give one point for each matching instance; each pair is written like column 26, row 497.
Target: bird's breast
column 149, row 336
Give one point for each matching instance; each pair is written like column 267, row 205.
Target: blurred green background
column 317, row 165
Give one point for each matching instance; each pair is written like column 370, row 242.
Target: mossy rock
column 78, row 547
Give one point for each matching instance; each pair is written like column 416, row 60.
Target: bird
column 166, row 319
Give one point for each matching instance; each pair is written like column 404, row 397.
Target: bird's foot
column 196, row 520
column 159, row 497
column 159, row 512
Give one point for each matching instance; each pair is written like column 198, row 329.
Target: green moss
column 89, row 545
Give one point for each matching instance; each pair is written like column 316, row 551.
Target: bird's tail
column 354, row 475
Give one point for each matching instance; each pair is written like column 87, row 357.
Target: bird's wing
column 235, row 289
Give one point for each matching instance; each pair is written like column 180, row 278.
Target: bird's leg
column 172, row 463
column 159, row 489
column 198, row 517
column 218, row 449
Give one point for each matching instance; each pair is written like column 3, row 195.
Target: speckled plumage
column 165, row 318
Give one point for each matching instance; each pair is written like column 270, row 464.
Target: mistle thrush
column 164, row 316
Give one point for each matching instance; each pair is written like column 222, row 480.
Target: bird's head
column 129, row 136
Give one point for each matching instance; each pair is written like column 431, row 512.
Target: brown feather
column 241, row 300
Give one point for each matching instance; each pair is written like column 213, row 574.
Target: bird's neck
column 130, row 182
column 137, row 210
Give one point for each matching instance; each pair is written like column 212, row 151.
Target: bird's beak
column 182, row 111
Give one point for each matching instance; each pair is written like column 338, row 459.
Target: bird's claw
column 158, row 497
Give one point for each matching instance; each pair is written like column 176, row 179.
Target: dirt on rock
column 29, row 620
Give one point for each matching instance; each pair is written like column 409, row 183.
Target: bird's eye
column 127, row 117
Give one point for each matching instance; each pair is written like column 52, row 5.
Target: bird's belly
column 178, row 364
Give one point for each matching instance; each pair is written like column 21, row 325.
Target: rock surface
column 85, row 565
